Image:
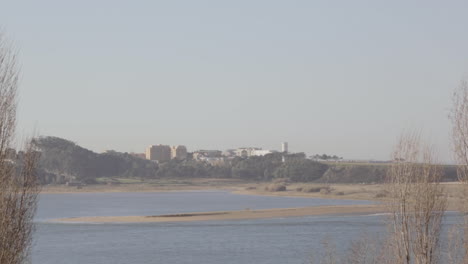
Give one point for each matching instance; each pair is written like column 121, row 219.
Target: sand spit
column 232, row 215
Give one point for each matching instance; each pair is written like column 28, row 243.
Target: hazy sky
column 336, row 77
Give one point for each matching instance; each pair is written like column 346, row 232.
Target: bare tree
column 18, row 183
column 455, row 249
column 417, row 203
column 459, row 118
column 366, row 250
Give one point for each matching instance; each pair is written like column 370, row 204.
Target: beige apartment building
column 160, row 153
column 179, row 152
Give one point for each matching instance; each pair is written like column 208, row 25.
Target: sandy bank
column 340, row 191
column 233, row 215
column 162, row 185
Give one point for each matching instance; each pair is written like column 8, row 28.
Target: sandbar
column 233, row 215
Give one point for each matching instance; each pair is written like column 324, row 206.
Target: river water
column 280, row 240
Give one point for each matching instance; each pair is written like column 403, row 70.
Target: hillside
column 64, row 161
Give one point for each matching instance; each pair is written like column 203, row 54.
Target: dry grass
column 334, row 191
column 382, row 194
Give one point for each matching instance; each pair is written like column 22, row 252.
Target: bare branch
column 18, row 182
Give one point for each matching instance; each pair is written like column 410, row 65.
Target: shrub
column 275, row 188
column 325, row 190
column 312, row 189
column 381, row 194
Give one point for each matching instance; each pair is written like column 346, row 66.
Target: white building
column 260, row 152
column 245, row 152
column 284, row 147
column 248, row 152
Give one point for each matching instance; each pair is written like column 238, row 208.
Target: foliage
column 326, row 157
column 301, row 170
column 257, row 167
column 65, row 158
column 271, row 166
column 62, row 160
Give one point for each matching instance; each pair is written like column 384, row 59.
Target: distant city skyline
column 343, row 78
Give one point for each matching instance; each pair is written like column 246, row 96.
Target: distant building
column 242, row 152
column 179, row 152
column 201, row 154
column 229, row 153
column 160, row 153
column 284, row 147
column 261, row 152
column 245, row 152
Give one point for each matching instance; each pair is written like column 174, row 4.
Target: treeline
column 262, row 168
column 62, row 160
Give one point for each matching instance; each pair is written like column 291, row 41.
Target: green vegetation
column 326, row 157
column 355, row 173
column 62, row 160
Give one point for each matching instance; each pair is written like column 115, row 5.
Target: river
column 280, row 240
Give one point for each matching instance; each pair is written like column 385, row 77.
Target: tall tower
column 284, row 147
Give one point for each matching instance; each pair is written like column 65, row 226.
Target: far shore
column 233, row 215
column 163, row 185
column 369, row 192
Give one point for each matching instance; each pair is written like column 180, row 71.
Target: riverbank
column 159, row 185
column 336, row 191
column 314, row 190
column 370, row 192
column 233, row 215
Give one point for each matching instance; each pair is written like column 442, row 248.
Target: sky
column 344, row 78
